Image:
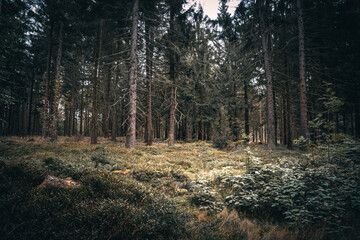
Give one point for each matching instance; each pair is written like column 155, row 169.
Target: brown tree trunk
column 246, row 109
column 131, row 132
column 46, row 109
column 114, row 110
column 81, row 111
column 288, row 107
column 57, row 86
column 31, row 104
column 107, row 107
column 303, row 100
column 171, row 130
column 72, row 126
column 149, row 60
column 284, row 120
column 268, row 74
column 94, row 117
column 172, row 116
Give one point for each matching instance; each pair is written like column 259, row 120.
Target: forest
column 147, row 119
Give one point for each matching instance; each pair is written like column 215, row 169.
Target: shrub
column 307, row 196
column 222, row 142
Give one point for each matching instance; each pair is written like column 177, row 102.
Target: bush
column 222, row 142
column 299, row 195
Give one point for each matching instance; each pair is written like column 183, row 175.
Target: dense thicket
column 277, row 70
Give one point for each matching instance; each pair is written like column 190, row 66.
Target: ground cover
column 189, row 191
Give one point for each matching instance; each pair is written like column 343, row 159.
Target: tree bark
column 131, row 132
column 289, row 115
column 46, row 109
column 114, row 110
column 172, row 116
column 81, row 110
column 303, row 99
column 149, row 66
column 57, row 86
column 268, row 74
column 72, row 126
column 94, row 117
column 31, row 104
column 107, row 107
column 246, row 109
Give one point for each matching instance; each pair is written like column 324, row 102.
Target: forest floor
column 189, row 191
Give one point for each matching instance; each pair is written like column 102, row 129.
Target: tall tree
column 173, row 46
column 302, row 72
column 149, row 30
column 46, row 109
column 57, row 84
column 268, row 73
column 131, row 132
column 98, row 53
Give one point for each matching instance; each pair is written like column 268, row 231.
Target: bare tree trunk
column 288, row 106
column 246, row 109
column 260, row 122
column 57, row 85
column 131, row 133
column 94, row 117
column 107, row 107
column 284, row 120
column 81, row 110
column 72, row 126
column 31, row 104
column 114, row 110
column 149, row 66
column 171, row 130
column 303, row 100
column 268, row 74
column 172, row 116
column 45, row 117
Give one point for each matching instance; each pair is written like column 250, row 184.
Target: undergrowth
column 190, row 191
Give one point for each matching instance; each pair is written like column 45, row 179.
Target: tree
column 268, row 73
column 302, row 72
column 131, row 133
column 57, row 85
column 46, row 111
column 98, row 52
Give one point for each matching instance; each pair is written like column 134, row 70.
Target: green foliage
column 321, row 195
column 222, row 142
column 103, row 207
column 323, row 126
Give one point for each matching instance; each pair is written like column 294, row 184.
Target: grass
column 155, row 192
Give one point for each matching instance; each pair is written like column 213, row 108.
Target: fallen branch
column 55, row 181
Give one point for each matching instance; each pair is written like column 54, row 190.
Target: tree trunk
column 149, row 60
column 31, row 104
column 284, row 120
column 246, row 109
column 303, row 100
column 269, row 84
column 288, row 106
column 131, row 132
column 114, row 110
column 45, row 117
column 260, row 122
column 72, row 126
column 57, row 86
column 172, row 116
column 94, row 117
column 81, row 110
column 107, row 107
column 171, row 130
